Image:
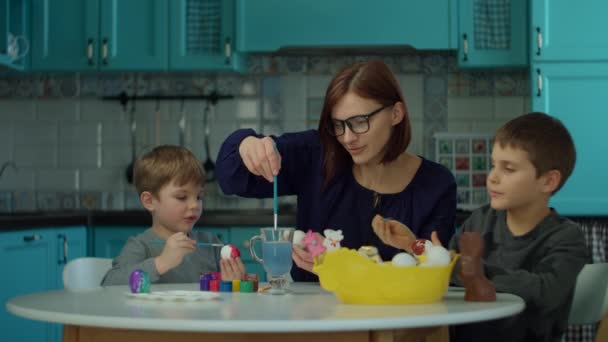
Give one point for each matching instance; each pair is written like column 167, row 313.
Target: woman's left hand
column 232, row 269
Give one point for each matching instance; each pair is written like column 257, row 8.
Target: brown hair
column 165, row 164
column 371, row 80
column 545, row 139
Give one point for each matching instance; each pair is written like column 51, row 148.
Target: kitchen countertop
column 215, row 218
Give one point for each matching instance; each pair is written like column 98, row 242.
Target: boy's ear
column 147, row 200
column 551, row 180
column 398, row 113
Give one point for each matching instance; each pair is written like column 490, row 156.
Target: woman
column 355, row 166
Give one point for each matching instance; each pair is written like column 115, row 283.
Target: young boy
column 529, row 249
column 169, row 180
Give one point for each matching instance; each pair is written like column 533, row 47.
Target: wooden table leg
column 431, row 334
column 70, row 333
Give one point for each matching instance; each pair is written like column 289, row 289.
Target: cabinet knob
column 90, row 51
column 539, row 83
column 465, row 47
column 30, row 238
column 228, row 50
column 539, row 41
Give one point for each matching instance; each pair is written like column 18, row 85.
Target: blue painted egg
column 139, row 281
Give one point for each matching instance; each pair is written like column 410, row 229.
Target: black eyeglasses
column 357, row 124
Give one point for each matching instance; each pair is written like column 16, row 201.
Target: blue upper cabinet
column 492, row 34
column 271, row 25
column 65, row 34
column 134, row 35
column 573, row 92
column 92, row 35
column 15, row 34
column 562, row 30
column 202, row 35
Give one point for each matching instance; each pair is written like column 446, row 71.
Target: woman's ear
column 147, row 200
column 398, row 113
column 551, row 181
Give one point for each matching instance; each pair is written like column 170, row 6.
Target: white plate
column 186, row 296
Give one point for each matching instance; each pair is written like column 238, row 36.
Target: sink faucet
column 7, row 164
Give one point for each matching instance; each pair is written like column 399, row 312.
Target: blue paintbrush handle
column 203, row 244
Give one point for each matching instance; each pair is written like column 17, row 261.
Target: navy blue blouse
column 428, row 202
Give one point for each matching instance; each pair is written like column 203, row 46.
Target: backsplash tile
column 72, row 148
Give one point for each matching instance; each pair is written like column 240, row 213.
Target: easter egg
column 437, row 256
column 139, row 281
column 298, row 235
column 418, row 246
column 403, row 259
column 230, row 252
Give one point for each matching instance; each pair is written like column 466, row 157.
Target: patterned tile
column 410, row 63
column 6, row 202
column 318, row 65
column 482, row 84
column 459, row 84
column 434, row 63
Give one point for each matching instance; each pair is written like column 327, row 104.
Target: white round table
column 308, row 309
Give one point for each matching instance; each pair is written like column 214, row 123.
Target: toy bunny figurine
column 477, row 287
column 332, row 239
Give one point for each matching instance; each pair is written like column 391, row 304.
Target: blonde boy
column 169, row 180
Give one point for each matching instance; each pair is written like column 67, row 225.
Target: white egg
column 403, row 259
column 437, row 256
column 298, row 235
column 226, row 251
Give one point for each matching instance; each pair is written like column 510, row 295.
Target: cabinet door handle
column 64, row 260
column 539, row 41
column 31, row 238
column 104, row 51
column 539, row 83
column 227, row 50
column 90, row 51
column 465, row 47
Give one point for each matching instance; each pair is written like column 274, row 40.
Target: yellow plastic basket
column 357, row 280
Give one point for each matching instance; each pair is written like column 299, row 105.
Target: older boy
column 529, row 249
column 169, row 180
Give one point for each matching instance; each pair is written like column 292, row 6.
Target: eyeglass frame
column 346, row 122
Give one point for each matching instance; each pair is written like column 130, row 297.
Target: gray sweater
column 139, row 252
column 541, row 267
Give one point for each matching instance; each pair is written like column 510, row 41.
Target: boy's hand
column 302, row 258
column 232, row 269
column 176, row 247
column 260, row 157
column 393, row 233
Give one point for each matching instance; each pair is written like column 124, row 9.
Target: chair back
column 85, row 273
column 590, row 302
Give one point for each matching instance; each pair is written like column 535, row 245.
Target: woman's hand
column 393, row 233
column 302, row 258
column 232, row 269
column 176, row 247
column 260, row 157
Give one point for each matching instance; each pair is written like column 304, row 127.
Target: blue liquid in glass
column 277, row 257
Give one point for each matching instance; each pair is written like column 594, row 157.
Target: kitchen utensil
column 133, row 125
column 208, row 164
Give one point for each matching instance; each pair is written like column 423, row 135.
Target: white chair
column 85, row 273
column 590, row 303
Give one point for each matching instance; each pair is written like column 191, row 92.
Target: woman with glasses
column 355, row 166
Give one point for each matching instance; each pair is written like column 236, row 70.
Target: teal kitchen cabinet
column 271, row 25
column 109, row 240
column 202, row 36
column 32, row 261
column 492, row 36
column 15, row 34
column 75, row 35
column 562, row 30
column 573, row 92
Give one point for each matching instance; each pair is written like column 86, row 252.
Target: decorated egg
column 371, row 253
column 403, row 259
column 139, row 281
column 298, row 235
column 420, row 246
column 230, row 252
column 332, row 239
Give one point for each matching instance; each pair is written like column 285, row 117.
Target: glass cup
column 276, row 256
